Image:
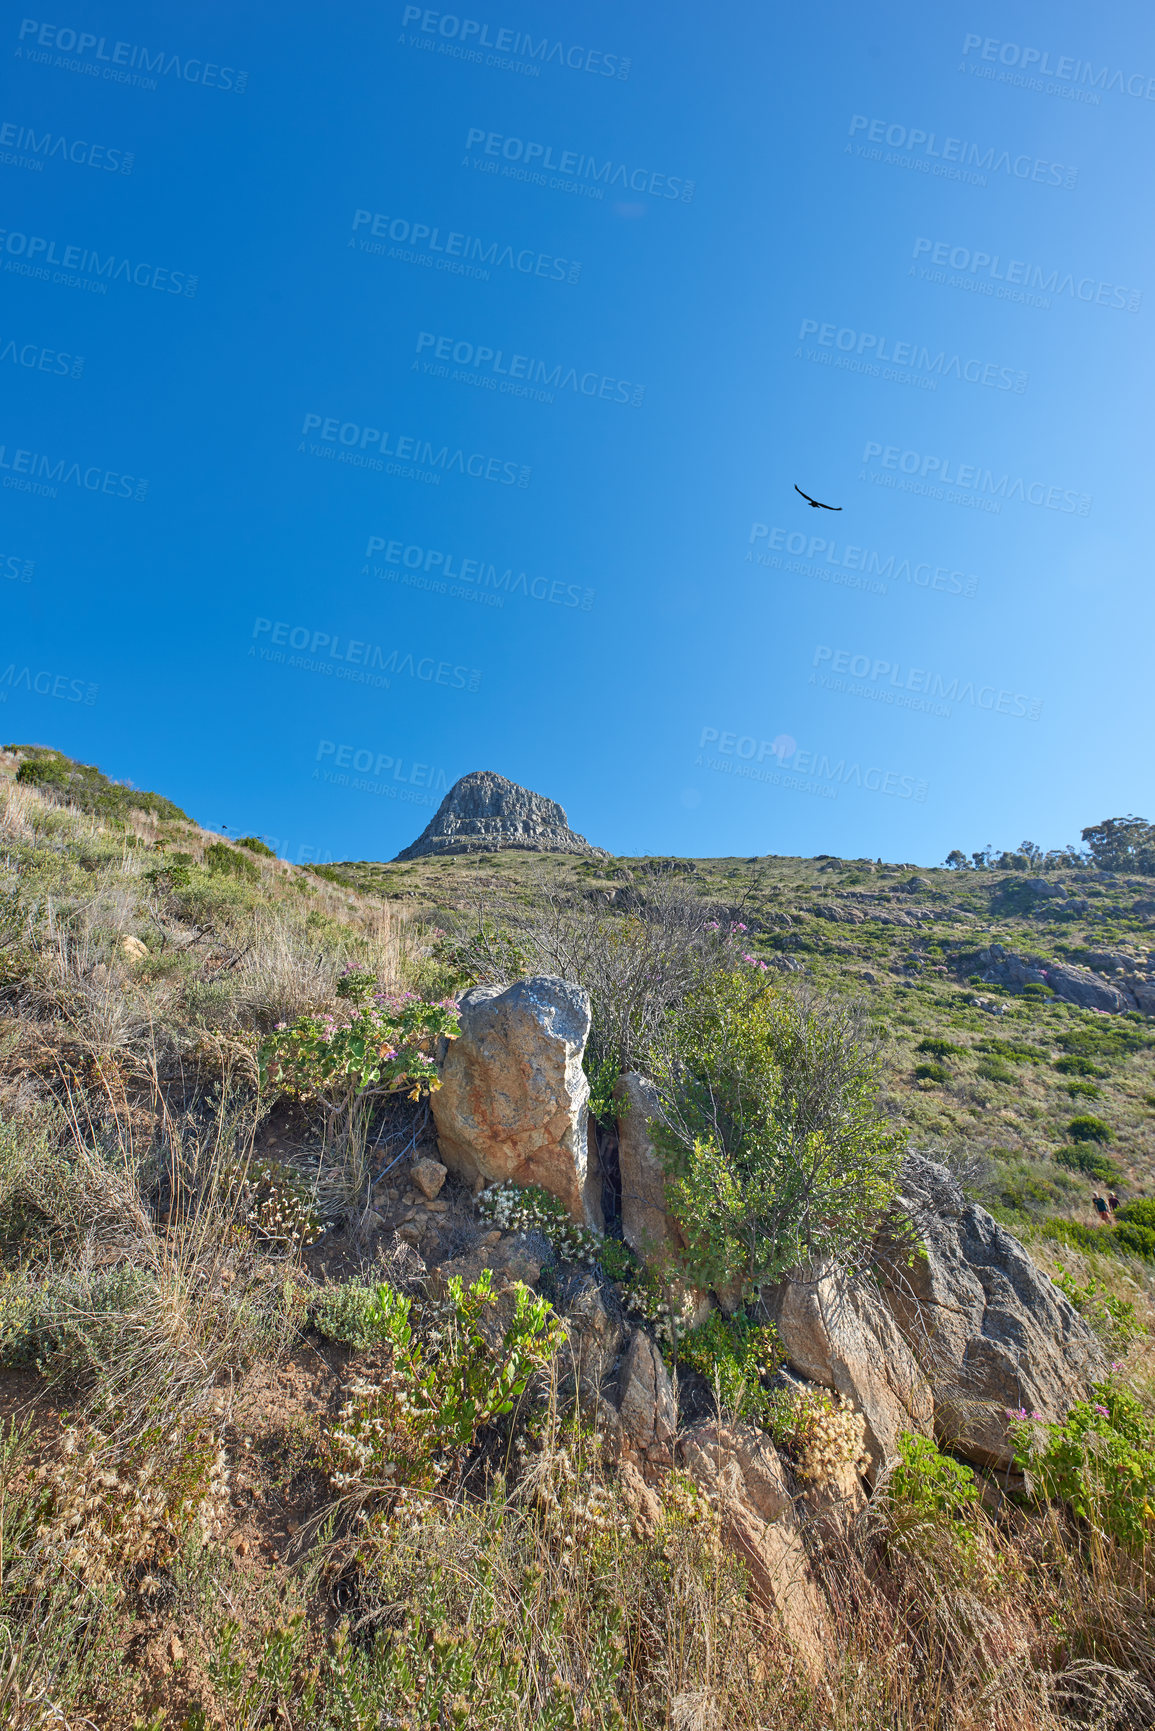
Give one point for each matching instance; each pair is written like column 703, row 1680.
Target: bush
column 1100, row 1461
column 1140, row 1212
column 273, row 1203
column 1089, row 1129
column 1113, row 1319
column 930, row 1482
column 1074, row 1065
column 774, row 1142
column 823, row 1438
column 397, row 1438
column 737, row 1358
column 1084, row 1091
column 256, row 845
column 1083, row 1157
column 940, row 1048
column 225, row 861
column 357, row 1316
column 374, row 1046
column 931, row 1073
column 994, row 1070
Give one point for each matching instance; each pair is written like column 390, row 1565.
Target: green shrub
column 1085, row 1157
column 398, row 1437
column 775, row 1146
column 1084, row 1091
column 375, row 1045
column 357, row 1316
column 1013, row 1052
column 256, row 845
column 225, row 861
column 1139, row 1212
column 737, row 1358
column 931, row 1073
column 1113, row 1319
column 1037, row 992
column 993, row 1070
column 1089, row 1129
column 1138, row 1240
column 1100, row 1461
column 939, row 1048
column 72, row 1322
column 357, row 985
column 1074, row 1065
column 930, row 1482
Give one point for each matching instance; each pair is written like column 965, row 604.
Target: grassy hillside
column 256, row 1463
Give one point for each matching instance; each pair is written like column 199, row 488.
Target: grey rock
column 840, row 1333
column 990, row 1332
column 1074, row 985
column 483, row 812
column 739, row 1469
column 514, row 1100
column 1041, row 887
column 647, row 1404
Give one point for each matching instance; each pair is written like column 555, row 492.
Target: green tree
column 1122, row 844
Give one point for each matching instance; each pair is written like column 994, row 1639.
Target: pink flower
column 1101, row 1410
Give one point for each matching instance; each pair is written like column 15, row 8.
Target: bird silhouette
column 815, row 504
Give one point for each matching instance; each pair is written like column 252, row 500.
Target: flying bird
column 815, row 504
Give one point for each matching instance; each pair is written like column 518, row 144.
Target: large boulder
column 990, row 1331
column 740, row 1470
column 838, row 1332
column 648, row 1226
column 513, row 1101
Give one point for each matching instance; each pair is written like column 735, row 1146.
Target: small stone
column 132, row 949
column 176, row 1651
column 409, row 1234
column 242, row 1548
column 429, row 1176
column 439, row 1207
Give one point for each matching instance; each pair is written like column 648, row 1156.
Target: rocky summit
column 484, row 812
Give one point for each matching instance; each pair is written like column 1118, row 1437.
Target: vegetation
column 260, row 1466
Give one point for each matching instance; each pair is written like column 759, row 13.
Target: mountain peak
column 484, row 811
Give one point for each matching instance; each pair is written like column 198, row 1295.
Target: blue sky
column 470, row 359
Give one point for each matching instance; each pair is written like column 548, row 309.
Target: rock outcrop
column 484, row 812
column 1132, row 986
column 648, row 1226
column 739, row 1468
column 991, row 1333
column 647, row 1404
column 839, row 1333
column 513, row 1101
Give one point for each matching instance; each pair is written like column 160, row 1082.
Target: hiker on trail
column 1112, row 1202
column 1101, row 1205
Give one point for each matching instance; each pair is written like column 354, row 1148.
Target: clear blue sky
column 899, row 255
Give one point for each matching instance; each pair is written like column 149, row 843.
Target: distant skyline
column 397, row 393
